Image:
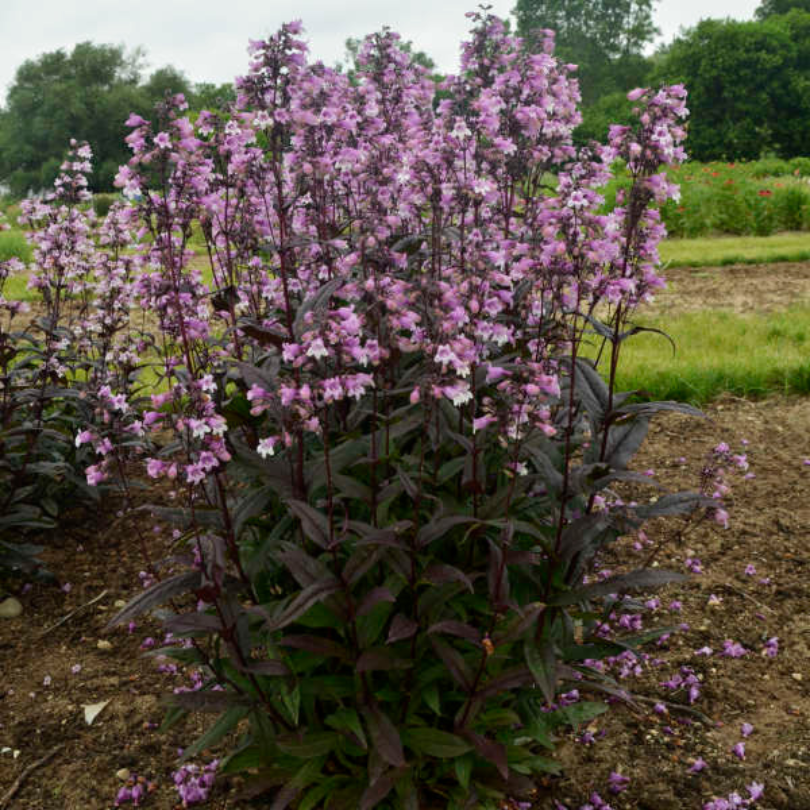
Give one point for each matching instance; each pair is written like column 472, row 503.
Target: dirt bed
column 740, row 288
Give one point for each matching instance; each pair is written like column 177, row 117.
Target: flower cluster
column 193, row 783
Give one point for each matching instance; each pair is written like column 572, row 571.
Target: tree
column 605, row 38
column 770, row 8
column 87, row 94
column 167, row 79
column 749, row 85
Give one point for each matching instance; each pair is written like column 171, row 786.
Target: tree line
column 748, row 82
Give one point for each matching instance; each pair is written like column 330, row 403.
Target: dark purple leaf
column 305, row 568
column 678, row 503
column 361, row 560
column 266, row 337
column 498, row 576
column 384, row 736
column 373, row 598
column 519, row 625
column 158, row 594
column 401, row 628
column 456, row 665
column 380, row 659
column 438, row 527
column 591, row 390
column 512, row 678
column 313, row 522
column 583, row 533
column 454, row 628
column 490, row 750
column 641, row 579
column 624, row 440
column 378, row 790
column 207, row 701
column 194, row 622
column 439, row 574
column 271, row 668
column 650, row 408
column 317, row 645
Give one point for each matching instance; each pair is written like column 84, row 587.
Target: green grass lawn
column 719, row 352
column 716, row 251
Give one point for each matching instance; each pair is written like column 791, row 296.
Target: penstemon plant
column 394, row 464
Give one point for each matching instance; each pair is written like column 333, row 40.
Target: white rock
column 10, row 608
column 103, row 644
column 123, row 774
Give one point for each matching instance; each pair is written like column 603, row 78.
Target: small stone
column 119, row 603
column 103, row 644
column 797, row 676
column 123, row 774
column 10, row 608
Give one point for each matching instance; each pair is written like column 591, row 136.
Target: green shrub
column 103, row 202
column 14, row 245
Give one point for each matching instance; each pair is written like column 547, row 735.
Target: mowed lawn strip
column 717, row 352
column 718, row 251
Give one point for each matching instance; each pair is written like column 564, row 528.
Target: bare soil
column 769, row 529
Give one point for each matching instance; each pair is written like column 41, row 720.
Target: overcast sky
column 207, row 39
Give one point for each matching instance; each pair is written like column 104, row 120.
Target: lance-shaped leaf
column 309, row 596
column 497, row 576
column 624, row 441
column 348, row 720
column 591, row 390
column 512, row 678
column 401, row 628
column 249, row 507
column 313, row 522
column 377, row 791
column 304, row 567
column 384, row 736
column 455, row 663
column 650, row 408
column 311, row 744
column 207, row 701
column 315, row 303
column 438, row 527
column 678, row 503
column 274, row 473
column 451, row 627
column 194, row 623
column 439, row 574
column 583, row 533
column 274, row 669
column 158, row 594
column 373, row 598
column 379, row 659
column 435, row 743
column 542, row 663
column 224, row 725
column 315, row 644
column 641, row 579
column 491, row 750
